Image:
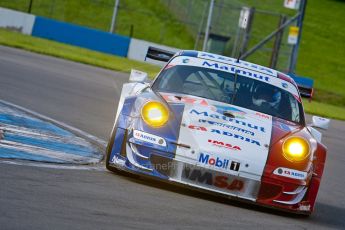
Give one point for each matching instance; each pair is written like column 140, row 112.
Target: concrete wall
column 15, row 20
column 81, row 36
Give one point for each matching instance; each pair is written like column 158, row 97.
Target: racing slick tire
column 108, row 151
column 108, row 154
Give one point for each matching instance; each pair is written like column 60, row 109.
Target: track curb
column 98, row 142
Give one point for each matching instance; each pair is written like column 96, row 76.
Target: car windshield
column 230, row 88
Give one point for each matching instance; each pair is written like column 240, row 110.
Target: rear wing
column 305, row 85
column 159, row 54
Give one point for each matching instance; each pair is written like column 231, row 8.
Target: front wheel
column 108, row 151
column 108, row 154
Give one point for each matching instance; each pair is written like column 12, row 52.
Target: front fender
column 128, row 89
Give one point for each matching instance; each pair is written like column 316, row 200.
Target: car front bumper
column 141, row 159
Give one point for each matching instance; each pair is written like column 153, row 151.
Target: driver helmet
column 265, row 94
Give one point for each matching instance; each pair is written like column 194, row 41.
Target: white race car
column 220, row 125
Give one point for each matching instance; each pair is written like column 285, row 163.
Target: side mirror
column 320, row 122
column 138, row 76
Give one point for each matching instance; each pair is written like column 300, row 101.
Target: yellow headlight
column 295, row 149
column 155, row 114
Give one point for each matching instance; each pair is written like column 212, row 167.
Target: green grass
column 325, row 110
column 322, row 52
column 150, row 20
column 73, row 53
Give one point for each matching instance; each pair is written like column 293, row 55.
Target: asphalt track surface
column 85, row 97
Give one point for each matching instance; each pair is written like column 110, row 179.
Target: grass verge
column 89, row 57
column 324, row 110
column 43, row 46
column 148, row 20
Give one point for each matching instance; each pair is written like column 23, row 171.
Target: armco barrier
column 14, row 20
column 81, row 36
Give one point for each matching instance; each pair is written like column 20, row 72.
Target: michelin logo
column 150, row 138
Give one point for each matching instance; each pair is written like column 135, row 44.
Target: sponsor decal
column 194, row 101
column 223, row 182
column 185, row 99
column 234, row 61
column 229, row 119
column 245, row 69
column 170, row 98
column 262, row 115
column 225, row 133
column 224, row 145
column 235, row 166
column 237, row 113
column 113, row 160
column 304, row 207
column 197, row 127
column 150, row 138
column 234, row 70
column 290, row 173
column 227, row 126
column 206, row 159
column 218, row 162
column 285, row 85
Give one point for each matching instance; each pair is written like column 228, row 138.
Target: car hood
column 225, row 137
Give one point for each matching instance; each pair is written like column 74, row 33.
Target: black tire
column 107, row 158
column 108, row 151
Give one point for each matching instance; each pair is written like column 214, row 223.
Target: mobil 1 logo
column 218, row 162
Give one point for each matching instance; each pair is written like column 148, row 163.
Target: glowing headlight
column 295, row 149
column 155, row 114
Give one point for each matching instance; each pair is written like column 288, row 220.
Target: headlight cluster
column 155, row 114
column 296, row 149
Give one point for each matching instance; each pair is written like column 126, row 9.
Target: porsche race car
column 220, row 125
